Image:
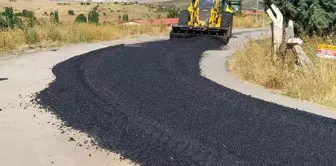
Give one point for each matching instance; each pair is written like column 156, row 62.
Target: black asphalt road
column 149, row 103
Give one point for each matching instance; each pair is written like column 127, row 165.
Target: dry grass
column 47, row 33
column 72, row 33
column 240, row 21
column 111, row 10
column 254, row 63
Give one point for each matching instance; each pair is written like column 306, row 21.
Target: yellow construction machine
column 205, row 18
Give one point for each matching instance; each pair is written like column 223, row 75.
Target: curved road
column 149, row 102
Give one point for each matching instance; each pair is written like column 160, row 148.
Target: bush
column 81, row 18
column 310, row 17
column 93, row 17
column 54, row 17
column 26, row 13
column 172, row 13
column 71, row 12
column 9, row 19
column 125, row 17
column 31, row 36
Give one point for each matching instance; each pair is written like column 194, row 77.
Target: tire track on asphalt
column 149, row 102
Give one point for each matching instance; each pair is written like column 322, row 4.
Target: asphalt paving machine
column 211, row 18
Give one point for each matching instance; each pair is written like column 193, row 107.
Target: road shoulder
column 213, row 66
column 32, row 136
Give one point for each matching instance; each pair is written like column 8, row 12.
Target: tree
column 9, row 19
column 81, row 18
column 310, row 16
column 93, row 17
column 125, row 18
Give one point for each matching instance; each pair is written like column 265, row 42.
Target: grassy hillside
column 107, row 11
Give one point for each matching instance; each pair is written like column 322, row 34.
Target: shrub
column 81, row 18
column 93, row 17
column 31, row 36
column 54, row 17
column 71, row 12
column 9, row 19
column 310, row 17
column 172, row 13
column 26, row 13
column 125, row 17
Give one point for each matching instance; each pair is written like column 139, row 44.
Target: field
column 254, row 64
column 45, row 33
column 107, row 11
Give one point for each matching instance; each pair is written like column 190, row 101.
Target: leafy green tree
column 93, row 17
column 81, row 18
column 310, row 16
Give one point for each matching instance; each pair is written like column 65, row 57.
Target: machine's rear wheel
column 184, row 17
column 226, row 22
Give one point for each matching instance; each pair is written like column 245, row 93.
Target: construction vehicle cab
column 205, row 18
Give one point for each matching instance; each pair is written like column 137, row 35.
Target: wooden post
column 277, row 26
column 285, row 38
column 302, row 58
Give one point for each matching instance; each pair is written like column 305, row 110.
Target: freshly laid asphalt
column 149, row 102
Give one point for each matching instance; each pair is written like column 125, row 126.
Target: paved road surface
column 149, row 102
